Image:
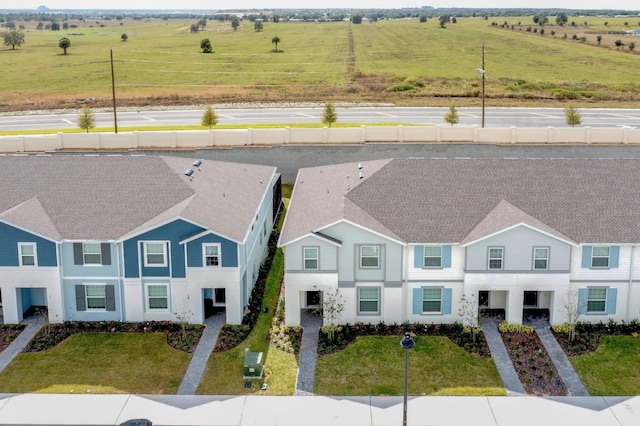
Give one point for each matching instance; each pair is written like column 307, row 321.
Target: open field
column 161, row 63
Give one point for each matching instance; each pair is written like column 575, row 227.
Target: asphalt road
column 494, row 117
column 289, row 159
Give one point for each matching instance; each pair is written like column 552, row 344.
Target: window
column 368, row 300
column 432, row 300
column 91, row 254
column 27, row 254
column 540, row 258
column 370, row 256
column 600, row 257
column 155, row 254
column 96, row 297
column 597, row 299
column 432, row 257
column 310, row 258
column 157, row 297
column 211, row 255
column 495, row 257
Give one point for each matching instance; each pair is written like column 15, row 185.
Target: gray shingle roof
column 109, row 197
column 444, row 201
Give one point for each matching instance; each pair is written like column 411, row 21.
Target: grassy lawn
column 613, row 368
column 99, row 363
column 375, row 366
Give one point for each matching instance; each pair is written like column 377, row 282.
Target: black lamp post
column 406, row 343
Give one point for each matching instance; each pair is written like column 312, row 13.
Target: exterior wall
column 10, row 236
column 295, row 283
column 70, row 269
column 454, row 272
column 73, row 314
column 327, row 255
column 13, row 280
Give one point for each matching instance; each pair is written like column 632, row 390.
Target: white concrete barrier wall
column 341, row 135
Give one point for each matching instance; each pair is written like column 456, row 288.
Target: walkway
column 559, row 358
column 308, row 353
column 501, row 358
column 200, row 357
column 33, row 325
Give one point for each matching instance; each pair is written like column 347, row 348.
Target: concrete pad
column 437, row 411
column 626, row 409
column 220, row 412
column 47, row 409
column 536, row 411
column 308, row 411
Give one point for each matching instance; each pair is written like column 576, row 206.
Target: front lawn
column 612, row 369
column 99, row 363
column 374, row 365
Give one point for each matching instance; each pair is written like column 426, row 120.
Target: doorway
column 483, row 299
column 530, row 299
column 314, row 299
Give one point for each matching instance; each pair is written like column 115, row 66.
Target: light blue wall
column 228, row 248
column 172, row 232
column 72, row 314
column 11, row 236
column 72, row 270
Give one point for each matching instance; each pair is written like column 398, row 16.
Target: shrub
column 505, row 327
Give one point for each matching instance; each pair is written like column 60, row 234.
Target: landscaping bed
column 587, row 335
column 8, row 333
column 532, row 363
column 183, row 337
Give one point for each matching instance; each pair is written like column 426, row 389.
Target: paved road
column 289, row 159
column 494, row 117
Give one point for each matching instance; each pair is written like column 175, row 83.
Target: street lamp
column 484, row 78
column 406, row 343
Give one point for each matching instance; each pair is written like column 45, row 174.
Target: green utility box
column 253, row 367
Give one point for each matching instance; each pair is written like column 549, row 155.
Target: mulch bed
column 535, row 368
column 8, row 333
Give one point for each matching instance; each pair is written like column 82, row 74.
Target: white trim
column 547, row 258
column 146, row 297
column 35, row 254
column 422, row 311
column 127, row 237
column 86, row 297
column 84, row 260
column 204, row 255
column 533, row 228
column 164, row 254
column 608, row 257
column 304, row 258
column 606, row 300
column 378, row 300
column 379, row 256
column 361, row 227
column 313, row 235
column 204, row 233
column 489, row 258
column 13, row 225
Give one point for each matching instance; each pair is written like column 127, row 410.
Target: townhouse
column 404, row 240
column 131, row 238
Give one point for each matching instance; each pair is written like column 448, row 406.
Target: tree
column 454, row 20
column 13, row 38
column 618, row 43
column 55, row 26
column 332, row 308
column 631, row 46
column 561, row 19
column 124, row 37
column 275, row 18
column 468, row 311
column 573, row 311
column 423, row 19
column 39, row 26
column 86, row 118
column 572, row 116
column 452, row 116
column 64, row 44
column 257, row 25
column 329, row 115
column 194, row 28
column 65, row 26
column 205, row 45
column 209, row 117
column 443, row 20
column 599, row 39
column 202, row 23
column 356, row 19
column 235, row 23
column 540, row 19
column 275, row 40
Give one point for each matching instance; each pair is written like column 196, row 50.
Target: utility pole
column 113, row 91
column 483, row 80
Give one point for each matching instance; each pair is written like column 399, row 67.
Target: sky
column 319, row 4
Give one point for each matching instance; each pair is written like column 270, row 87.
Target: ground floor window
column 596, row 299
column 96, row 296
column 432, row 300
column 368, row 300
column 157, row 297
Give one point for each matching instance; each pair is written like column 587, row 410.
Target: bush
column 505, row 327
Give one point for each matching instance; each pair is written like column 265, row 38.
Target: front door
column 313, row 299
column 530, row 299
column 483, row 299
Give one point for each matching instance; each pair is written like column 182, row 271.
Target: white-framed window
column 541, row 258
column 95, row 296
column 310, row 255
column 28, row 254
column 155, row 254
column 369, row 256
column 600, row 257
column 92, row 254
column 432, row 257
column 432, row 300
column 496, row 257
column 211, row 253
column 596, row 300
column 157, row 297
column 368, row 300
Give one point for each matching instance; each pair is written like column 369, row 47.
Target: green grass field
column 374, row 365
column 161, row 63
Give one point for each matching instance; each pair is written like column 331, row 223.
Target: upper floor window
column 91, row 254
column 211, row 254
column 310, row 258
column 432, row 257
column 155, row 254
column 369, row 256
column 541, row 258
column 600, row 257
column 368, row 300
column 496, row 256
column 596, row 299
column 27, row 254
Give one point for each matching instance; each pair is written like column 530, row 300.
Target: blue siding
column 228, row 248
column 172, row 232
column 73, row 270
column 9, row 239
column 586, row 257
column 72, row 313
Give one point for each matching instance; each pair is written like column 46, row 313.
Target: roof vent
column 360, row 166
column 188, row 172
column 197, row 163
column 361, row 175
